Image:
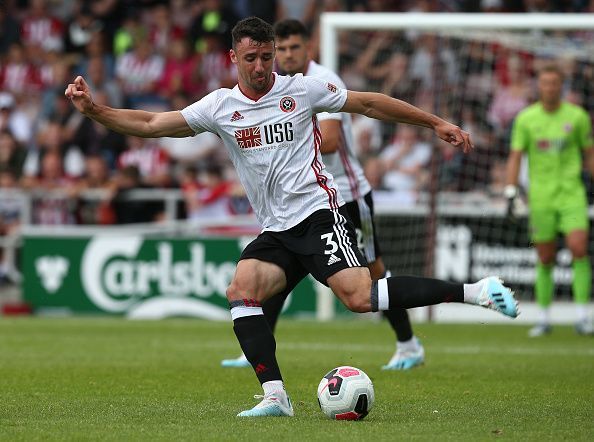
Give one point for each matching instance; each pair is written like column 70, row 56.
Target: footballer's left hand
column 454, row 135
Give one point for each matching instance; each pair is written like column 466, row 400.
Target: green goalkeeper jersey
column 554, row 142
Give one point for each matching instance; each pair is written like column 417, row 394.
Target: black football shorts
column 361, row 213
column 322, row 244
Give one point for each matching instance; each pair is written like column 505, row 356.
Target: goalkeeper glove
column 511, row 193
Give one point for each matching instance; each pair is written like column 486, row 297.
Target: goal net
column 441, row 213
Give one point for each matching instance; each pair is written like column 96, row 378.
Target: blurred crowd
column 162, row 55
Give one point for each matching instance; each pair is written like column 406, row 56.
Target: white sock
column 472, row 292
column 273, row 387
column 582, row 312
column 544, row 315
column 410, row 345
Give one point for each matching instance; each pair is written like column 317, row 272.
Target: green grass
column 111, row 379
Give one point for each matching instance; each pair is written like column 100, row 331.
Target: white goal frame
column 333, row 22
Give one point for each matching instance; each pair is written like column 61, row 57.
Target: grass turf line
column 111, row 379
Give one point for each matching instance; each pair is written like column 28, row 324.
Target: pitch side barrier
column 182, row 268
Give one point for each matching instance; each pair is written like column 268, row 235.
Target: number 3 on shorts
column 333, row 247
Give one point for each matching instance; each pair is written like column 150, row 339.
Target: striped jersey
column 342, row 164
column 274, row 145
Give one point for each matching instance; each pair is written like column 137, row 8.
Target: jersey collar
column 257, row 99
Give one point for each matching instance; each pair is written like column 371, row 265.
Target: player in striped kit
column 339, row 158
column 267, row 123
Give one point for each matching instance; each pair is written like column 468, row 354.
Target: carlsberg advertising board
column 137, row 277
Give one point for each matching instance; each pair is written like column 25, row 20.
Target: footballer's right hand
column 80, row 95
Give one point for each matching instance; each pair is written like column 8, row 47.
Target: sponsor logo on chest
column 275, row 133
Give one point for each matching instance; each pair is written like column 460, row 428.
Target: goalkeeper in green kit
column 557, row 138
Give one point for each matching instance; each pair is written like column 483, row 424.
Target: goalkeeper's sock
column 402, row 292
column 543, row 289
column 544, row 315
column 582, row 280
column 581, row 312
column 256, row 339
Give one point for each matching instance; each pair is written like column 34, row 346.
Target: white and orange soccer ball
column 346, row 393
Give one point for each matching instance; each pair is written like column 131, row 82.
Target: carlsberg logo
column 115, row 278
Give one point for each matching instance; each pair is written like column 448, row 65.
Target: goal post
column 477, row 70
column 333, row 22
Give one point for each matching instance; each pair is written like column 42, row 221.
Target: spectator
column 162, row 31
column 138, row 73
column 367, row 136
column 96, row 139
column 181, row 74
column 96, row 48
column 10, row 217
column 99, row 81
column 404, row 161
column 215, row 20
column 374, row 171
column 132, row 211
column 130, row 32
column 52, row 208
column 509, row 99
column 18, row 75
column 80, row 30
column 51, row 139
column 14, row 119
column 215, row 66
column 212, row 196
column 97, row 210
column 12, row 155
column 149, row 158
column 41, row 29
column 9, row 30
column 450, row 168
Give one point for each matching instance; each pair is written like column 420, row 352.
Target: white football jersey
column 342, row 164
column 274, row 144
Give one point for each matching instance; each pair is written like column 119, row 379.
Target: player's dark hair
column 253, row 27
column 552, row 68
column 285, row 28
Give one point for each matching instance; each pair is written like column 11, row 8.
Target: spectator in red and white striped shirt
column 150, row 158
column 139, row 72
column 39, row 28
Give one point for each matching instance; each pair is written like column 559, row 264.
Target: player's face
column 254, row 62
column 550, row 87
column 291, row 54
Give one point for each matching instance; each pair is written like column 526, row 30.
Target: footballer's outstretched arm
column 383, row 107
column 127, row 121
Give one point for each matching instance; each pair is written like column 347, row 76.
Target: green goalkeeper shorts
column 545, row 224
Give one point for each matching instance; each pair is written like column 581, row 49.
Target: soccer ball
column 346, row 393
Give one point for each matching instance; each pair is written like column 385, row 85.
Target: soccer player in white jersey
column 292, row 57
column 267, row 123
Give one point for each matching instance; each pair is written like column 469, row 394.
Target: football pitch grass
column 112, row 379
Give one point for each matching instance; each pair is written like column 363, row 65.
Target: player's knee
column 237, row 291
column 358, row 304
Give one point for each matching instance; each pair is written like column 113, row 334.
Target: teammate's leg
column 409, row 352
column 577, row 242
column 252, row 283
